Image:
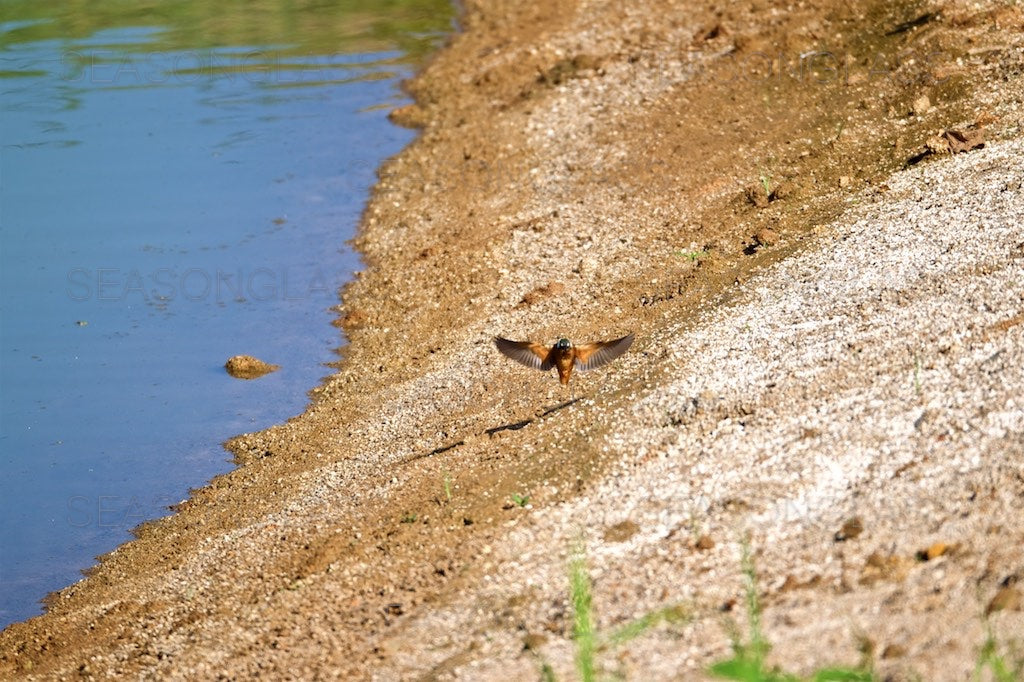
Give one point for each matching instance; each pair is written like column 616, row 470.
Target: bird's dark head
column 563, row 344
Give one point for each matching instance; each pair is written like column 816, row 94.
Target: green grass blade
column 583, row 623
column 633, row 629
column 758, row 647
column 739, row 668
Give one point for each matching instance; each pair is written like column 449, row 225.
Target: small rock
column 955, row 142
column 353, row 318
column 894, row 651
column 709, row 33
column 851, row 529
column 845, row 181
column 964, row 140
column 757, row 195
column 936, row 144
column 533, row 642
column 586, row 62
column 621, row 531
column 1006, row 599
column 704, row 542
column 789, row 584
column 248, row 367
column 921, row 106
column 540, row 293
column 934, row 551
column 766, row 237
column 782, row 190
column 561, row 72
column 880, row 566
column 409, row 116
column 586, row 266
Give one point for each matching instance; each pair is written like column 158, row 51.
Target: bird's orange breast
column 563, row 361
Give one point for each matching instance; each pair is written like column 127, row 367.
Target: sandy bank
column 822, row 335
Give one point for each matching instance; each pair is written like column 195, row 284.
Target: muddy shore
column 830, row 340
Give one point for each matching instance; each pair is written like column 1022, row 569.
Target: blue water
column 161, row 211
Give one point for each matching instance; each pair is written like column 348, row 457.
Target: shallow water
column 177, row 184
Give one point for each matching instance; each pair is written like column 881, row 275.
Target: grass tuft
column 1002, row 662
column 1003, row 667
column 748, row 660
column 588, row 641
column 520, row 500
column 582, row 616
column 693, row 255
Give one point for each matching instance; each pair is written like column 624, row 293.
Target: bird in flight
column 563, row 356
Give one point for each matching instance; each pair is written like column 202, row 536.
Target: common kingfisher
column 564, row 356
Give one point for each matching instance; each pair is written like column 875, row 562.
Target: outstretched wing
column 594, row 355
column 526, row 353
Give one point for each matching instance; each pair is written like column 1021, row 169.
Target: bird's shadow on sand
column 511, row 426
column 515, row 426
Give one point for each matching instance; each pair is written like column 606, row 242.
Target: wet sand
column 827, row 306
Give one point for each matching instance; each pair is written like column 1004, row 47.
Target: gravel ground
column 877, row 375
column 829, row 318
